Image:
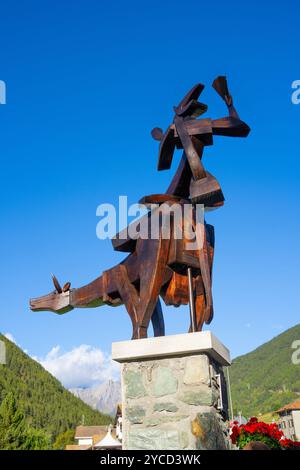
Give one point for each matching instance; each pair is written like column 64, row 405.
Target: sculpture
column 164, row 267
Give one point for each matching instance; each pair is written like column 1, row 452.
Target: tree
column 63, row 439
column 14, row 433
column 35, row 439
column 12, row 424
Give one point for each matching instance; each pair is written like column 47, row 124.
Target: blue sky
column 86, row 82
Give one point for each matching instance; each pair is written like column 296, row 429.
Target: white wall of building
column 85, row 441
column 296, row 419
column 287, row 425
column 119, row 428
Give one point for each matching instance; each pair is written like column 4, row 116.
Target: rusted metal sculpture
column 165, row 267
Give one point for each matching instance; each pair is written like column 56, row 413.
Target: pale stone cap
column 168, row 346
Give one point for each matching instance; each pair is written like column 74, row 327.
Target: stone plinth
column 174, row 392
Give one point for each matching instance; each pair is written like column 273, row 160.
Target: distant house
column 289, row 420
column 87, row 436
column 118, row 422
column 99, row 437
column 108, row 442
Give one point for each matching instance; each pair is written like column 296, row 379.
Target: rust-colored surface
column 159, row 267
column 197, row 429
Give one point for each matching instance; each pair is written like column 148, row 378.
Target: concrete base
column 174, row 393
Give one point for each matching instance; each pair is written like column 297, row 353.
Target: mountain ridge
column 103, row 397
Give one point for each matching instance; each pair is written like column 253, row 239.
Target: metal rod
column 229, row 392
column 191, row 299
column 220, row 401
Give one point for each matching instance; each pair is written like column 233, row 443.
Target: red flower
column 253, row 420
column 235, row 432
column 255, row 427
column 289, row 444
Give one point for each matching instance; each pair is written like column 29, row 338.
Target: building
column 99, row 437
column 108, row 442
column 87, row 436
column 118, row 422
column 289, row 420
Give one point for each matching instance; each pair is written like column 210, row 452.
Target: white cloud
column 10, row 337
column 83, row 366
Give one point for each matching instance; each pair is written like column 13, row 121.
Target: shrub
column 256, row 430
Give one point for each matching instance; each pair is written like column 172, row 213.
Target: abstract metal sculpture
column 165, row 267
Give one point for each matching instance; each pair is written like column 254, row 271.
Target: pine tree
column 12, row 424
column 63, row 439
column 14, row 433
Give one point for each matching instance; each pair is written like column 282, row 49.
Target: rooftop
column 90, row 431
column 108, row 442
column 294, row 405
column 76, row 447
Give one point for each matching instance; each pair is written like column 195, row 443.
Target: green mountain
column 266, row 379
column 46, row 404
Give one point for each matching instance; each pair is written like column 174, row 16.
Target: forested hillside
column 266, row 379
column 45, row 403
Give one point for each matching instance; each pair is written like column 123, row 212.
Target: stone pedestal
column 174, row 393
